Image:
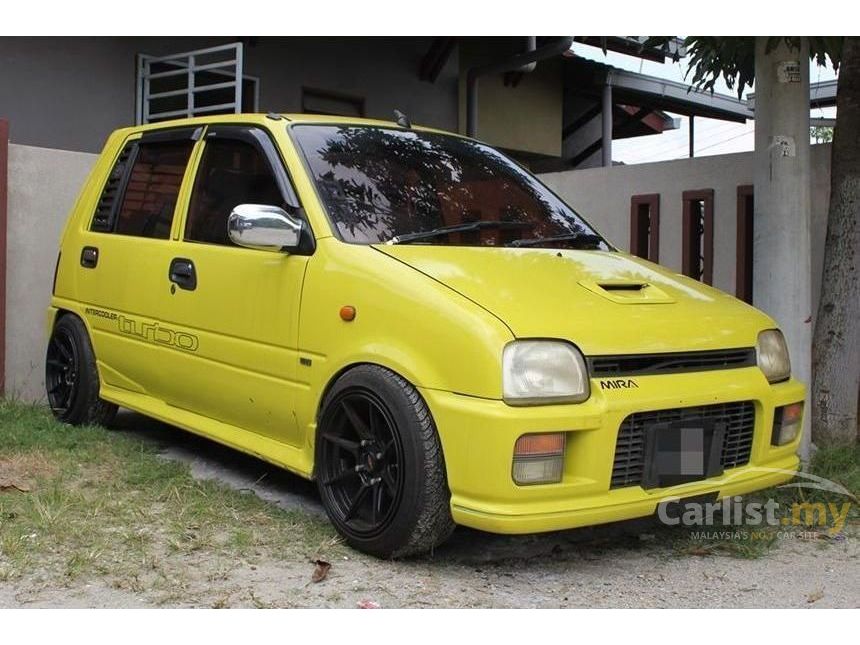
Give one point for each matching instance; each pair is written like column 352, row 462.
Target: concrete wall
column 43, row 187
column 603, row 195
column 70, row 93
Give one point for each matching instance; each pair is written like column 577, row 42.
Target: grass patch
column 840, row 464
column 84, row 502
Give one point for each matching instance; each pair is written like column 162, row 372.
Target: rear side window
column 231, row 172
column 105, row 214
column 152, row 185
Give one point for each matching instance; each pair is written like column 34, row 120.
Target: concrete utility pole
column 781, row 266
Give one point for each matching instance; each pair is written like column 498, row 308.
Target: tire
column 71, row 377
column 379, row 465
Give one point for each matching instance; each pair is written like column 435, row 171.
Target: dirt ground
column 623, row 565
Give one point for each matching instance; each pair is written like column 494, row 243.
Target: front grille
column 629, row 465
column 668, row 363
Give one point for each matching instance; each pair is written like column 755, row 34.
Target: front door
column 236, row 308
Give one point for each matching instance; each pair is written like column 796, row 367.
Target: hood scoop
column 628, row 292
column 622, row 286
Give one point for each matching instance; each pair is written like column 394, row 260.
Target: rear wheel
column 71, row 376
column 380, row 470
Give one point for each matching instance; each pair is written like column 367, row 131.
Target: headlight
column 536, row 372
column 772, row 355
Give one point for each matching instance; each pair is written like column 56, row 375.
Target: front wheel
column 380, row 469
column 71, row 376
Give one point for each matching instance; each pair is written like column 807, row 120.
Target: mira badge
column 618, row 384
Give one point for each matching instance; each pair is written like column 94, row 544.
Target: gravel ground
column 622, row 565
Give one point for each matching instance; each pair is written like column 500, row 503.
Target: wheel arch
column 340, row 373
column 56, row 314
column 60, row 312
column 343, row 370
column 53, row 316
column 82, row 405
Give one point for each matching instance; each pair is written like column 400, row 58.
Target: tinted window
column 105, row 216
column 153, row 186
column 378, row 183
column 231, row 172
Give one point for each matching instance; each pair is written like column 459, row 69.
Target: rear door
column 122, row 279
column 240, row 309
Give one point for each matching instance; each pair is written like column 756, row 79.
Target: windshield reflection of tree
column 379, row 183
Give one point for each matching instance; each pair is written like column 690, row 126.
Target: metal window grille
column 194, row 83
column 697, row 252
column 698, row 210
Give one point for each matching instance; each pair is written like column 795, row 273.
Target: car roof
column 270, row 118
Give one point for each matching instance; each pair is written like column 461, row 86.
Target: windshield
column 404, row 186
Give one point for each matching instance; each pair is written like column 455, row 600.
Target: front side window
column 153, row 186
column 405, row 186
column 231, row 172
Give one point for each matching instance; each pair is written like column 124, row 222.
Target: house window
column 697, row 231
column 316, row 101
column 645, row 226
column 744, row 253
column 196, row 83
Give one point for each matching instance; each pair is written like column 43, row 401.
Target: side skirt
column 285, row 456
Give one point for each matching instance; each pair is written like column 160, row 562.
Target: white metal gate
column 203, row 81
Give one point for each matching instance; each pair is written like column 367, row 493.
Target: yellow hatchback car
column 414, row 321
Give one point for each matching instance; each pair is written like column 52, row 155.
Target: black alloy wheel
column 379, row 465
column 361, row 462
column 61, row 371
column 71, row 376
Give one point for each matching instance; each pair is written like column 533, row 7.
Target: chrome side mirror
column 267, row 228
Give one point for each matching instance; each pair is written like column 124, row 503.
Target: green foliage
column 733, row 57
column 821, row 134
column 839, row 463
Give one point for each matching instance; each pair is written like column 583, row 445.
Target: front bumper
column 478, row 437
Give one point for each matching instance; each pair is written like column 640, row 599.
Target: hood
column 603, row 302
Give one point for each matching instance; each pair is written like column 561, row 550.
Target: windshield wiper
column 406, row 238
column 586, row 238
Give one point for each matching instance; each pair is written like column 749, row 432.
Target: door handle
column 183, row 274
column 89, row 257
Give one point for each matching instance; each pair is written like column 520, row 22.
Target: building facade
column 69, row 93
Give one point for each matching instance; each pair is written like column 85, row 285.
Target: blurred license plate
column 682, row 451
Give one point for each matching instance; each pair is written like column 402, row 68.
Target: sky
column 712, row 136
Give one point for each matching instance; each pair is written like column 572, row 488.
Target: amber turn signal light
column 538, row 459
column 347, row 313
column 786, row 424
column 539, row 444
